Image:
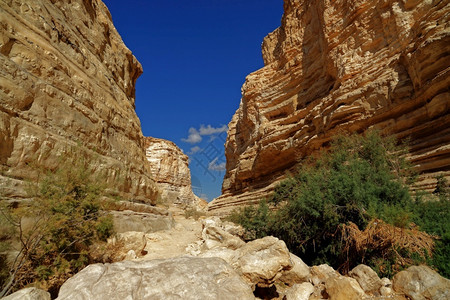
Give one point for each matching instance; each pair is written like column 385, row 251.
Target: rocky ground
column 207, row 259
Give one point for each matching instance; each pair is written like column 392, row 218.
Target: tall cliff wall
column 68, row 81
column 170, row 169
column 344, row 65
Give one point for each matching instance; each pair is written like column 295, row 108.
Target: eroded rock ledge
column 67, row 80
column 337, row 66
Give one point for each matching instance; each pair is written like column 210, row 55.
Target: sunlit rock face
column 345, row 65
column 68, row 81
column 170, row 169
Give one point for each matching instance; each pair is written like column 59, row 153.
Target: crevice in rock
column 90, row 9
column 266, row 293
column 6, row 48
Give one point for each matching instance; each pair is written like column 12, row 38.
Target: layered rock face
column 68, row 82
column 342, row 66
column 170, row 169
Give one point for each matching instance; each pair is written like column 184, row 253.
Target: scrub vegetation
column 51, row 235
column 353, row 205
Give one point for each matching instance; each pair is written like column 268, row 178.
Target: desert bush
column 432, row 216
column 359, row 179
column 56, row 229
column 107, row 252
column 255, row 219
column 442, row 188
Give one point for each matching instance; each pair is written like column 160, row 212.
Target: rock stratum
column 342, row 66
column 170, row 169
column 68, row 82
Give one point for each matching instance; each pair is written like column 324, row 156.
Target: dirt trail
column 173, row 242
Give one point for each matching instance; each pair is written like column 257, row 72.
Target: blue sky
column 195, row 56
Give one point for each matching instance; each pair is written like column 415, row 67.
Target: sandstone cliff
column 170, row 169
column 335, row 66
column 67, row 79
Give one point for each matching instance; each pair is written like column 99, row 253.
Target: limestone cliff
column 170, row 169
column 345, row 65
column 68, row 81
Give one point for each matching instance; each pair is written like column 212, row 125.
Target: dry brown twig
column 385, row 238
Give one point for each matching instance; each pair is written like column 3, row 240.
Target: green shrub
column 433, row 217
column 360, row 178
column 56, row 230
column 442, row 188
column 254, row 219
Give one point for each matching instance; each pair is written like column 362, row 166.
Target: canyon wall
column 170, row 169
column 342, row 66
column 67, row 83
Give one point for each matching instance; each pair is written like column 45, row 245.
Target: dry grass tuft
column 387, row 241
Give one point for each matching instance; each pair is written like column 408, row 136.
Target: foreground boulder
column 344, row 288
column 215, row 236
column 300, row 291
column 180, row 278
column 299, row 272
column 262, row 261
column 29, row 294
column 367, row 279
column 422, row 283
column 386, row 287
column 132, row 240
column 321, row 273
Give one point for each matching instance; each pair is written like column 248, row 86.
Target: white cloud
column 195, row 150
column 194, row 136
column 209, row 130
column 213, row 166
column 204, row 197
column 212, row 138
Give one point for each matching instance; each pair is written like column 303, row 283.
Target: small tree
column 56, row 229
column 442, row 189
